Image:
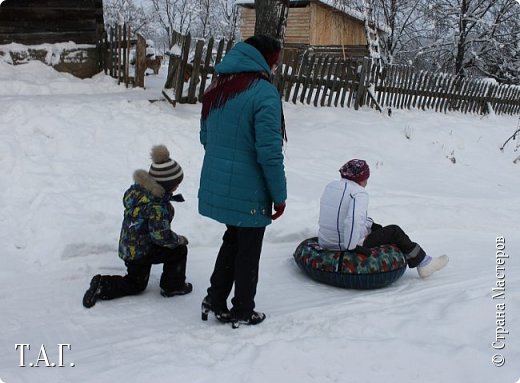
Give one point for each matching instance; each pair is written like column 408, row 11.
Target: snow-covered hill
column 68, row 149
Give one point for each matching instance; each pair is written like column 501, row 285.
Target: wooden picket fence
column 188, row 75
column 402, row 87
column 325, row 80
column 320, row 80
column 115, row 48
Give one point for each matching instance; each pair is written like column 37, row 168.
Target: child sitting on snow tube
column 344, row 224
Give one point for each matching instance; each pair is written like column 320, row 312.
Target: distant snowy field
column 68, row 148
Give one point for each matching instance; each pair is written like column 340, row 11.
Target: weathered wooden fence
column 188, row 74
column 402, row 87
column 320, row 80
column 325, row 80
column 117, row 49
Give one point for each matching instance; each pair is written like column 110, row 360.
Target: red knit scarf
column 227, row 87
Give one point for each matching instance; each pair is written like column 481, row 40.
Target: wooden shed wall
column 34, row 22
column 331, row 27
column 298, row 25
column 314, row 24
column 247, row 22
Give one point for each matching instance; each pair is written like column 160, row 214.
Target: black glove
column 183, row 241
column 177, row 198
column 376, row 226
column 363, row 250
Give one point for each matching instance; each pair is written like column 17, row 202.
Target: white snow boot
column 430, row 265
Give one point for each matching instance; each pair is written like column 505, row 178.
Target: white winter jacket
column 343, row 216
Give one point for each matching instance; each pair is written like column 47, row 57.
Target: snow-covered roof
column 331, row 3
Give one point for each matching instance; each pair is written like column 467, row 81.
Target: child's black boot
column 94, row 291
column 183, row 290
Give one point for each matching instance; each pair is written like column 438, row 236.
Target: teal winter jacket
column 243, row 171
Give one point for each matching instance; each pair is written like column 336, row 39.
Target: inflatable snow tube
column 347, row 269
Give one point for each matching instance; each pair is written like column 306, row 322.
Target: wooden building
column 315, row 24
column 36, row 22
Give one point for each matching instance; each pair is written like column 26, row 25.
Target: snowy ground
column 68, row 148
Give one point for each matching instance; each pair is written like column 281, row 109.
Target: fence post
column 363, row 78
column 306, row 79
column 487, row 106
column 220, row 52
column 192, row 98
column 205, row 70
column 119, row 51
column 289, row 78
column 181, row 70
column 111, row 44
column 140, row 62
column 172, row 71
column 314, row 78
column 101, row 48
column 127, row 56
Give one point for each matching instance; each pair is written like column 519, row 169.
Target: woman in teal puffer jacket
column 243, row 175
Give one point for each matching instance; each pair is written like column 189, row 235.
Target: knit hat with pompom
column 167, row 172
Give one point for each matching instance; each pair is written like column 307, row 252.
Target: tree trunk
column 271, row 18
column 461, row 40
column 391, row 39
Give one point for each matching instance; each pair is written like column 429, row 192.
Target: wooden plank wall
column 314, row 24
column 247, row 22
column 298, row 25
column 332, row 27
column 33, row 22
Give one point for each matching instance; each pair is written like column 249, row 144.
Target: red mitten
column 279, row 209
